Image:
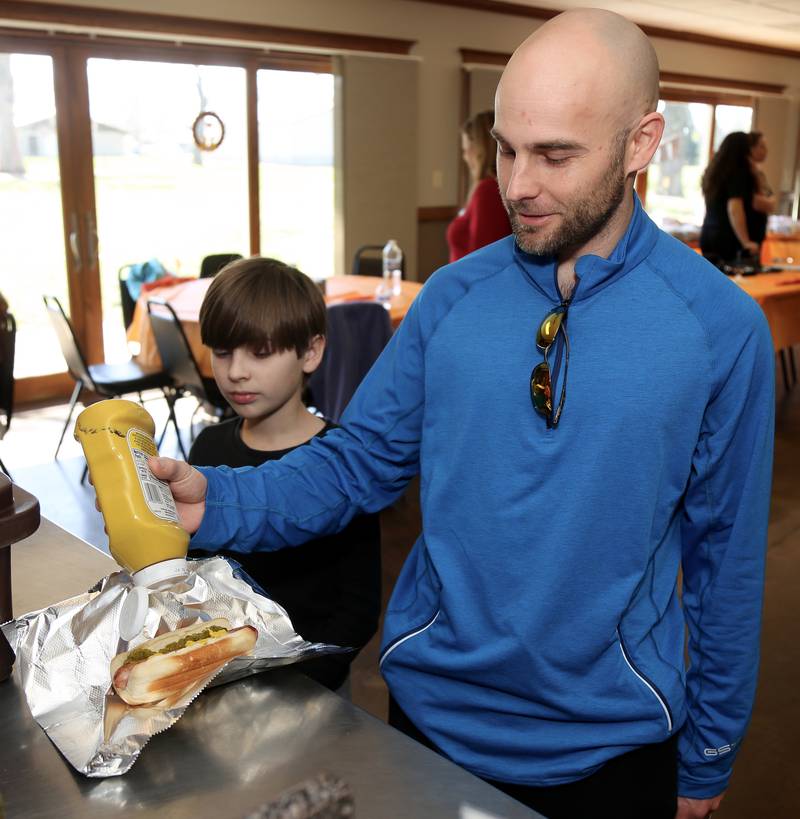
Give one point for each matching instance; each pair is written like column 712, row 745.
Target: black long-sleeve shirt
column 718, row 241
column 331, row 587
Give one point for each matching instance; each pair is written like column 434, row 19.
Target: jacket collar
column 595, row 272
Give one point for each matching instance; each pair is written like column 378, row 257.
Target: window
column 132, row 183
column 296, row 179
column 157, row 195
column 30, row 207
column 673, row 195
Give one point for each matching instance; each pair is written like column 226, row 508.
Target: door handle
column 74, row 242
column 91, row 238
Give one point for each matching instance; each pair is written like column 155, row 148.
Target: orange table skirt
column 777, row 249
column 779, row 297
column 186, row 297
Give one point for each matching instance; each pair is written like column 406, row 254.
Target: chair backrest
column 70, row 349
column 176, row 353
column 211, row 265
column 368, row 261
column 357, row 333
column 8, row 335
column 126, row 299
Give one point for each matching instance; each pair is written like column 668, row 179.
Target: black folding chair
column 357, row 333
column 368, row 261
column 107, row 380
column 8, row 334
column 126, row 300
column 211, row 265
column 179, row 361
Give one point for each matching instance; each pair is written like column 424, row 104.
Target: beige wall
column 378, row 143
column 482, row 85
column 777, row 118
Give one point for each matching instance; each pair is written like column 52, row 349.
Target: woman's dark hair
column 263, row 304
column 478, row 129
column 730, row 162
column 753, row 138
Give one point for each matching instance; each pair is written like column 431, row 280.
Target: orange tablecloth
column 779, row 297
column 778, row 249
column 186, row 297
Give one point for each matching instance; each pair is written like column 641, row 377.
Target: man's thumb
column 167, row 469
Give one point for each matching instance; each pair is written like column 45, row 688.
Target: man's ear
column 644, row 141
column 313, row 354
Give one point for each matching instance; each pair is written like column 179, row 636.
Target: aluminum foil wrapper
column 64, row 652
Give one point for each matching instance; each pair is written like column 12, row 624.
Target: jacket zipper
column 407, row 636
column 662, row 701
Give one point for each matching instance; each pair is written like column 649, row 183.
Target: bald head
column 575, row 121
column 594, row 59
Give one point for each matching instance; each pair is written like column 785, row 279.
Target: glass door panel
column 31, row 221
column 730, row 118
column 158, row 195
column 673, row 177
column 296, row 178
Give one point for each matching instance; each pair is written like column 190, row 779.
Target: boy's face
column 258, row 384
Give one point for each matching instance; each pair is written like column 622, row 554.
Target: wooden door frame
column 77, row 163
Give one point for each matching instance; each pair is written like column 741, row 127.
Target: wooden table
column 778, row 248
column 779, row 297
column 186, row 298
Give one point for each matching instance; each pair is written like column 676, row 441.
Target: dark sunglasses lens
column 548, row 329
column 541, row 393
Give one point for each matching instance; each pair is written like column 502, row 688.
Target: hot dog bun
column 175, row 661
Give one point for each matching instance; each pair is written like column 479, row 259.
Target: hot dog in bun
column 174, row 661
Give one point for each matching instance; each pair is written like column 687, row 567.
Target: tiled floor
column 764, row 784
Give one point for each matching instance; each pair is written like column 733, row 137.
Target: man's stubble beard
column 583, row 221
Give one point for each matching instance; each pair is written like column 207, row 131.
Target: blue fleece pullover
column 536, row 629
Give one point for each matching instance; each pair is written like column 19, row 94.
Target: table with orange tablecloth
column 186, row 297
column 779, row 249
column 779, row 297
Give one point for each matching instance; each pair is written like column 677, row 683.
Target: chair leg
column 191, row 422
column 784, row 371
column 85, row 472
column 74, row 400
column 4, row 468
column 171, row 399
column 792, row 365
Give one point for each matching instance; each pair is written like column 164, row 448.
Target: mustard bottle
column 144, row 532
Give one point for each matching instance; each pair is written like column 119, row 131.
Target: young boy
column 265, row 324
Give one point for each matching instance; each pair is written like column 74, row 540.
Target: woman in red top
column 484, row 219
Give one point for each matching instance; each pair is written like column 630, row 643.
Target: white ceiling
column 769, row 22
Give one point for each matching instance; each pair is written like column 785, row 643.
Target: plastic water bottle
column 393, row 266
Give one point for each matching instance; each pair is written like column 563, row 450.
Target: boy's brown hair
column 263, row 304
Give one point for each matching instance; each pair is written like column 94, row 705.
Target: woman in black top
column 737, row 202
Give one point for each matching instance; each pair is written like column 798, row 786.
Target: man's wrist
column 692, row 787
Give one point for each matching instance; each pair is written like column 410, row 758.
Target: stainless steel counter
column 236, row 747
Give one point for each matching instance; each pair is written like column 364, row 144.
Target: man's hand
column 188, row 487
column 697, row 808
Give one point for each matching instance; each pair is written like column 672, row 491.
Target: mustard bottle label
column 156, row 493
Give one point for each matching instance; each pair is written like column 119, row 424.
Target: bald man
column 589, row 404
